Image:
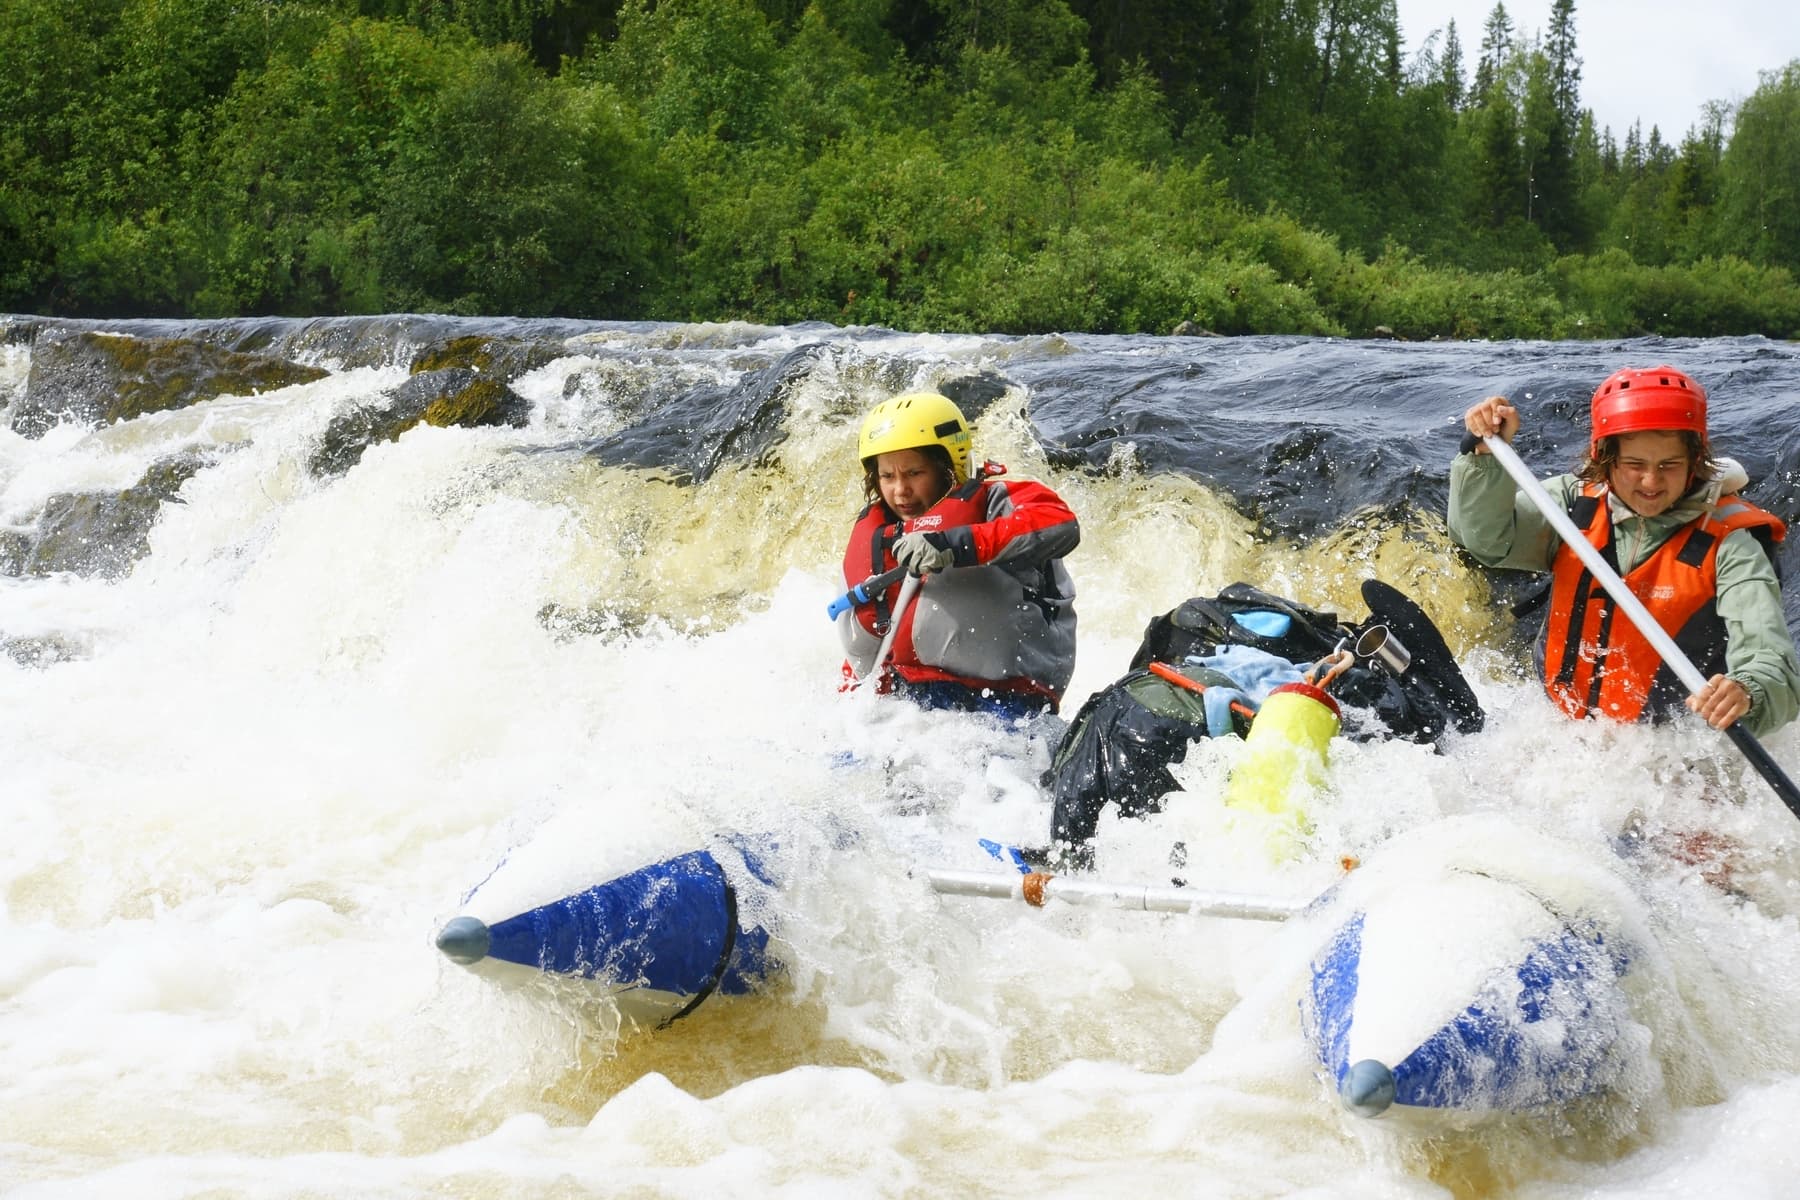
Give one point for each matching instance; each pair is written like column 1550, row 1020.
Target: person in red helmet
column 1653, row 498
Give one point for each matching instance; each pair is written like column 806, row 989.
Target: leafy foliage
column 1007, row 165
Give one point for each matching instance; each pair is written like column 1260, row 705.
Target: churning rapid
column 288, row 671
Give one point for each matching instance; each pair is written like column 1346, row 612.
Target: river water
column 252, row 776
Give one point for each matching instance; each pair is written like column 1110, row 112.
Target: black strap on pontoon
column 718, row 972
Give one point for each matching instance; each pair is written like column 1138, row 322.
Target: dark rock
column 94, row 378
column 453, row 396
column 105, row 533
column 973, row 394
column 692, row 434
column 705, row 427
column 1189, row 329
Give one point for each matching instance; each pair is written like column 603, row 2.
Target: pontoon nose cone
column 1367, row 1090
column 464, row 940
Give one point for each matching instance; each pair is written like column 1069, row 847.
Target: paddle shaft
column 1633, row 608
column 908, row 587
column 1036, row 888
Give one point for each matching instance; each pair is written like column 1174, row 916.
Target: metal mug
column 1379, row 643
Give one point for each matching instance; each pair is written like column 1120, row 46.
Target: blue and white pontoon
column 1471, row 968
column 1493, row 977
column 658, row 938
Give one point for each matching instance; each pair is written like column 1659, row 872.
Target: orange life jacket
column 1593, row 660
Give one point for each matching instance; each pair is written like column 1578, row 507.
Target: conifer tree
column 1496, row 44
column 1450, row 67
column 1565, row 65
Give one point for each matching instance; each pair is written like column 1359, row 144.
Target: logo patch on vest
column 929, row 521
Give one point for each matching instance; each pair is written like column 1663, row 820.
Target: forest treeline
column 1247, row 166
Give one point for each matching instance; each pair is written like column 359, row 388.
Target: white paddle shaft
column 1138, row 897
column 908, row 586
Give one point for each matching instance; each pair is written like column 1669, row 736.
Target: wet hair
column 1600, row 461
column 937, row 455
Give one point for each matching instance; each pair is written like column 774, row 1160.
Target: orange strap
column 1165, row 671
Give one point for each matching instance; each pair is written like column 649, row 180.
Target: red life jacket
column 989, row 597
column 1594, row 661
column 871, row 552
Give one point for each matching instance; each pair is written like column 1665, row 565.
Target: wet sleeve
column 1491, row 519
column 1026, row 523
column 1759, row 649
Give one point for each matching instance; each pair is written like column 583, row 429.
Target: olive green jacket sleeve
column 1759, row 650
column 1491, row 520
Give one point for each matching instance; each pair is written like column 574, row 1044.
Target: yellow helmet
column 916, row 420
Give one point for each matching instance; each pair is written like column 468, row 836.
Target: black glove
column 923, row 553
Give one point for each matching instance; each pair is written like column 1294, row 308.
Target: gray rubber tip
column 1367, row 1090
column 464, row 940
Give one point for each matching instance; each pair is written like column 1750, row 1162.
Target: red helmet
column 1638, row 399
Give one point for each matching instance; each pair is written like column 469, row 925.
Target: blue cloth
column 945, row 693
column 1264, row 622
column 1256, row 673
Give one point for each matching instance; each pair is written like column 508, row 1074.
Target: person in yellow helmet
column 993, row 625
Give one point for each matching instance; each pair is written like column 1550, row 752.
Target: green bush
column 1715, row 297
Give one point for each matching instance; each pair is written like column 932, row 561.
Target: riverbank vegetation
column 1253, row 166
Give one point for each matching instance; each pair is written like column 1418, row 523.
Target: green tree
column 1759, row 173
column 1565, row 65
column 1500, row 179
column 1450, row 67
column 1595, row 165
column 513, row 193
column 703, row 67
column 1547, row 145
column 105, row 108
column 1496, row 49
column 1692, row 191
column 52, row 71
column 1042, row 33
column 303, row 154
column 1638, row 223
column 1206, row 59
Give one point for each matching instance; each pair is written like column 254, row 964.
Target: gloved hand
column 923, row 553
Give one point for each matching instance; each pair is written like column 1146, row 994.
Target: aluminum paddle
column 1035, row 888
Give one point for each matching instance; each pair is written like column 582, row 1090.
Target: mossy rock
column 455, row 396
column 482, row 400
column 502, row 358
column 94, row 379
column 104, row 534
